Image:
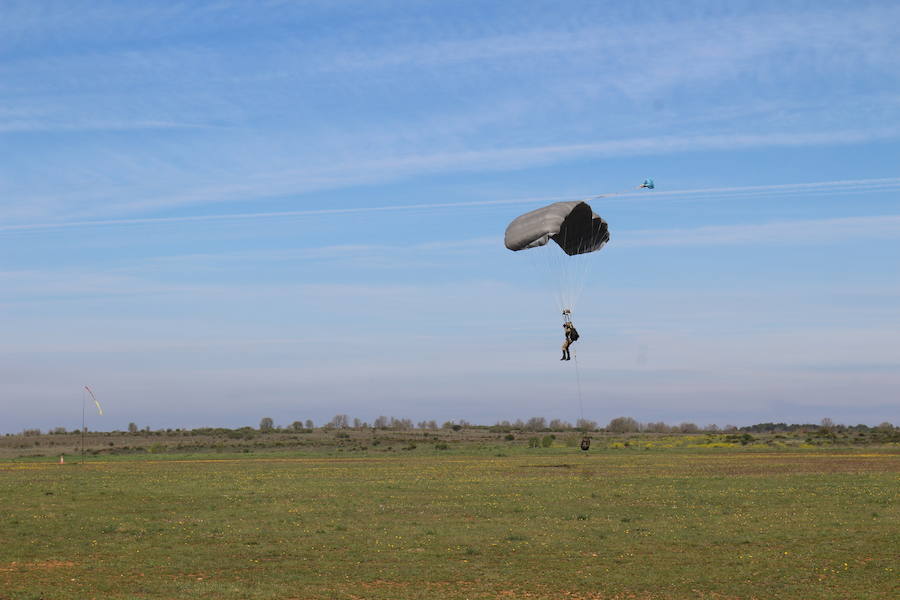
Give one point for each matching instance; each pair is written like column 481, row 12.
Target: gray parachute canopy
column 573, row 225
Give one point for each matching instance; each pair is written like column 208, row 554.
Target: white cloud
column 786, row 232
column 734, row 193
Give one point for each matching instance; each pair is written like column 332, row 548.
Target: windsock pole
column 83, row 394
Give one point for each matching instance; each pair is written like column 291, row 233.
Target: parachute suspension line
column 578, row 385
column 581, row 267
column 547, row 266
column 585, row 438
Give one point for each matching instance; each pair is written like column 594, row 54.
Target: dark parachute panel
column 572, row 225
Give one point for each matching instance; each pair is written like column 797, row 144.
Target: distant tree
column 448, row 425
column 559, row 425
column 586, row 425
column 827, row 424
column 297, row 425
column 357, row 424
column 536, row 424
column 266, row 424
column 339, row 422
column 58, row 430
column 885, row 426
column 31, row 432
column 711, row 428
column 658, row 427
column 309, row 424
column 381, row 422
column 400, row 424
column 688, row 428
column 729, row 428
column 623, row 425
column 422, row 425
column 132, row 428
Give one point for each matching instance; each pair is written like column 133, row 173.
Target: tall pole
column 82, row 425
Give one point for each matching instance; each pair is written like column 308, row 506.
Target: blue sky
column 213, row 212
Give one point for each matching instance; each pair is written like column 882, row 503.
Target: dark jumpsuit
column 565, row 347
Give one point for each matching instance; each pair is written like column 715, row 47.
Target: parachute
column 573, row 225
column 576, row 230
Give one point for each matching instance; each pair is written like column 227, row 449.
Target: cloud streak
column 785, row 232
column 732, row 193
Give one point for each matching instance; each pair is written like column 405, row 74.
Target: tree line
column 534, row 424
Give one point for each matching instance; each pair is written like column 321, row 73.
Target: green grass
column 542, row 523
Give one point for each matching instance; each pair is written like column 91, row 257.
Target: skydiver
column 571, row 336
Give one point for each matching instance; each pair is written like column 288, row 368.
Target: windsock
column 94, row 398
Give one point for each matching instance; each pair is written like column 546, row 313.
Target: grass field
column 537, row 523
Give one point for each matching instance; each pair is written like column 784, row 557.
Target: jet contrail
column 820, row 187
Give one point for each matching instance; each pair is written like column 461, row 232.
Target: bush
column 534, row 442
column 547, row 441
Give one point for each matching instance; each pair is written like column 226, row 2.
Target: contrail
column 814, row 188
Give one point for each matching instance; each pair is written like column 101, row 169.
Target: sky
column 213, row 212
